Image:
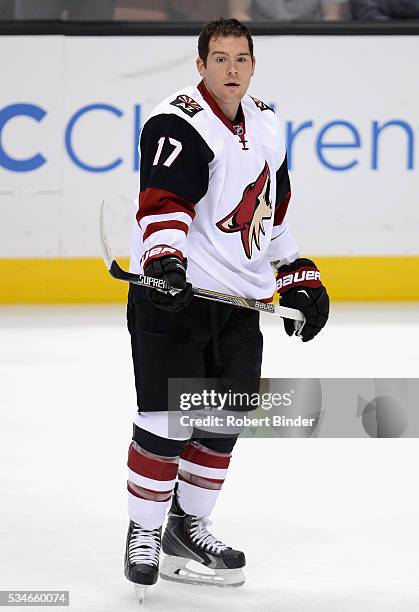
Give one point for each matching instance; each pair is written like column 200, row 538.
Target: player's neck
column 229, row 110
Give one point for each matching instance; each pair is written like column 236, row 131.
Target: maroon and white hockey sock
column 151, row 480
column 201, row 475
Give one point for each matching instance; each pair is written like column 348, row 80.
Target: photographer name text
column 229, row 420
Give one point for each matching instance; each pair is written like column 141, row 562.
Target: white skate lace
column 144, row 546
column 201, row 536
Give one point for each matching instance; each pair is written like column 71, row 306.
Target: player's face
column 229, row 68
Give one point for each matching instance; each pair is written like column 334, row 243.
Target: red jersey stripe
column 154, row 201
column 281, row 209
column 162, row 225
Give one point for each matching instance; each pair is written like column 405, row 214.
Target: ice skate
column 142, row 557
column 194, row 556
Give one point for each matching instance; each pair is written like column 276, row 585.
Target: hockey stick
column 158, row 283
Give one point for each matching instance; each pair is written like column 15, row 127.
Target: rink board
column 86, row 280
column 71, row 110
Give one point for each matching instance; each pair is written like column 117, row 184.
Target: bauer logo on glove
column 302, row 277
column 300, row 286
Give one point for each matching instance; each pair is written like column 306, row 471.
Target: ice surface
column 327, row 525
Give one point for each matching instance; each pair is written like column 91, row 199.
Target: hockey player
column 214, row 191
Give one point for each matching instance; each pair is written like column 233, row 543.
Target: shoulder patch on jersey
column 187, row 105
column 261, row 105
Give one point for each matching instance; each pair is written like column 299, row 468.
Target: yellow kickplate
column 86, row 280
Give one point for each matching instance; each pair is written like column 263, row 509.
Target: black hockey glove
column 300, row 287
column 173, row 270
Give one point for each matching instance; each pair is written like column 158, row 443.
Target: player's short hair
column 221, row 27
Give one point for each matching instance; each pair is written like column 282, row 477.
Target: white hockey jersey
column 216, row 191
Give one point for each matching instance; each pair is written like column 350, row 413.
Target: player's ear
column 200, row 66
column 253, row 65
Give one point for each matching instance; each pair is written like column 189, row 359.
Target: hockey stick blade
column 118, row 273
column 113, row 266
column 106, row 251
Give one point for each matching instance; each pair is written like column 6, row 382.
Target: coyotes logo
column 187, row 105
column 250, row 213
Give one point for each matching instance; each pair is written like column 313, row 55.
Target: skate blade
column 179, row 569
column 140, row 592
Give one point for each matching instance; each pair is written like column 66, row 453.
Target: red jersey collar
column 217, row 111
